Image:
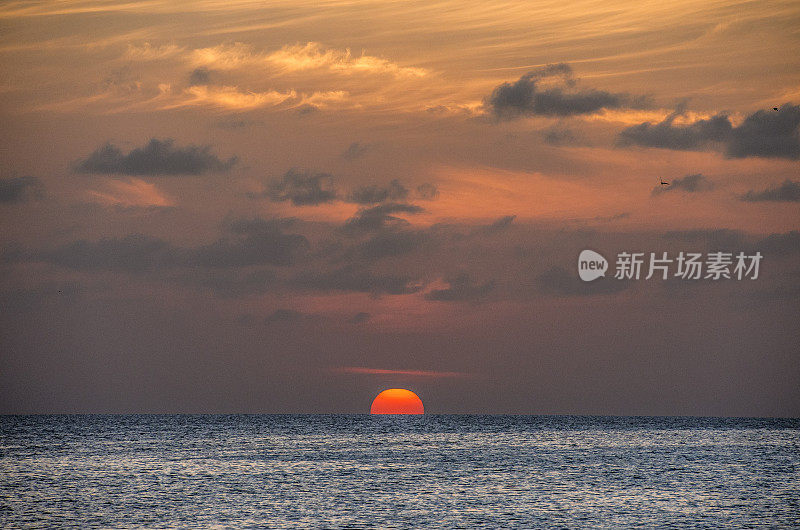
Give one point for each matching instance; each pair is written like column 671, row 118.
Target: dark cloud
column 253, row 242
column 556, row 136
column 284, row 315
column 303, row 188
column 502, row 223
column 394, row 191
column 18, row 298
column 250, row 242
column 768, row 134
column 612, row 218
column 373, row 194
column 379, row 217
column 351, row 278
column 121, row 80
column 461, row 289
column 525, row 97
column 200, row 76
column 255, row 225
column 104, row 330
column 762, row 134
column 558, row 281
column 18, row 189
column 785, row 244
column 427, row 192
column 789, row 191
column 245, row 319
column 359, row 317
column 665, row 135
column 237, row 123
column 497, row 226
column 721, row 239
column 392, row 243
column 14, row 252
column 158, row 157
column 306, row 108
column 310, row 188
column 788, row 292
column 690, row 183
column 132, row 253
column 229, row 283
column 355, row 150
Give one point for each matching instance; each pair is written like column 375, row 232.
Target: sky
column 288, row 207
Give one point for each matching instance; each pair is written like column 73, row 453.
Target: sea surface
column 432, row 471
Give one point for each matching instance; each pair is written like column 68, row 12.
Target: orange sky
column 493, row 142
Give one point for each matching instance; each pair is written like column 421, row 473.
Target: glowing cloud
column 310, row 56
column 230, row 97
column 148, row 52
column 131, row 192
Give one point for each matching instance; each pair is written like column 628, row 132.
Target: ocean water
column 333, row 471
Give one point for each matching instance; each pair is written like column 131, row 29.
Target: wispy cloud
column 234, row 98
column 412, row 373
column 49, row 9
column 230, row 97
column 300, row 57
column 149, row 52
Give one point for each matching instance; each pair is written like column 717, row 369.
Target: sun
column 397, row 401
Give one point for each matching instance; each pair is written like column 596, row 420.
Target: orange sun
column 397, row 401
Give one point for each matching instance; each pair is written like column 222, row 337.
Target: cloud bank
column 303, row 188
column 766, row 134
column 461, row 289
column 157, row 157
column 528, row 97
column 18, row 189
column 373, row 194
column 789, row 191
